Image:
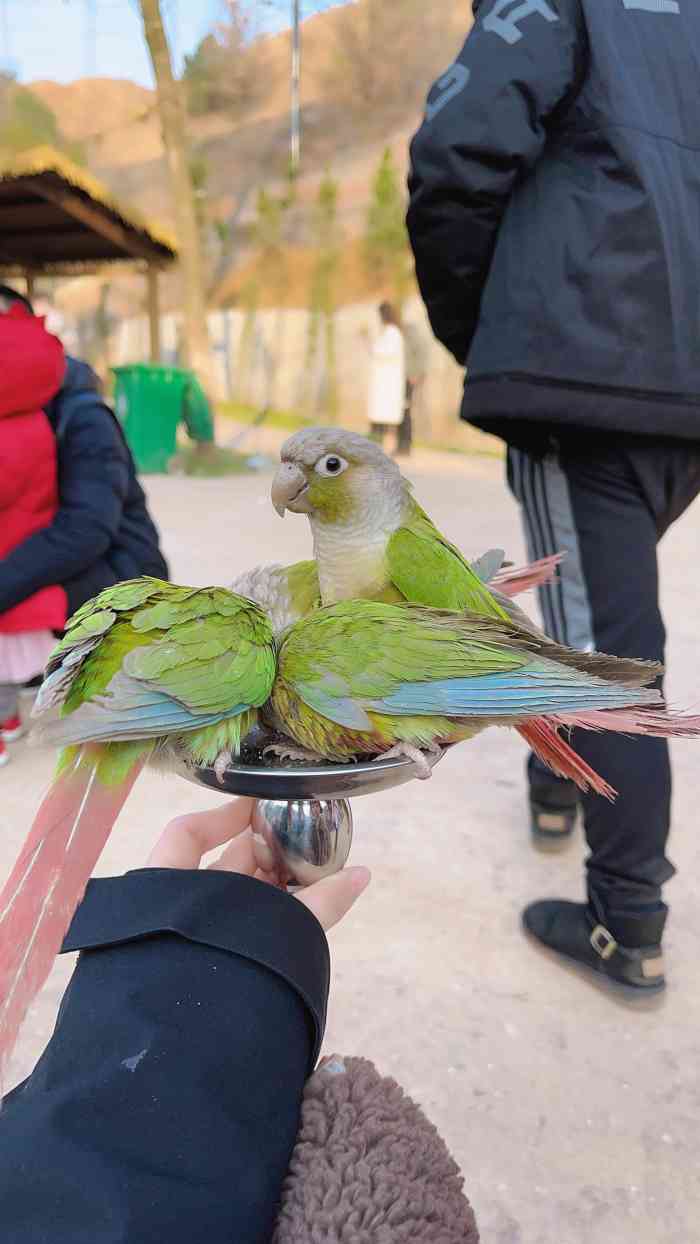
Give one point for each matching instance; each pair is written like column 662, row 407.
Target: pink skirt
column 24, row 656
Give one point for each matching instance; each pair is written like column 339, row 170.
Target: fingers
column 331, row 899
column 237, row 857
column 187, row 838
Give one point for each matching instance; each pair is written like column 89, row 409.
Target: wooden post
column 153, row 312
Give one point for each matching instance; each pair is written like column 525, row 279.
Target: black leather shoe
column 553, row 807
column 574, row 931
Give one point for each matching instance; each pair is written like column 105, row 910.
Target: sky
column 57, row 39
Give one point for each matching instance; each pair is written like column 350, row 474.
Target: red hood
column 32, row 363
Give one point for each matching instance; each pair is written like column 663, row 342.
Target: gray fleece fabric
column 369, row 1168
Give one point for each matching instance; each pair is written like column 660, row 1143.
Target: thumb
column 332, row 898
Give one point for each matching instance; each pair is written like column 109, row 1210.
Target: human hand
column 188, row 838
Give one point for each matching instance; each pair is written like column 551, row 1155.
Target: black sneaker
column 554, row 805
column 573, row 930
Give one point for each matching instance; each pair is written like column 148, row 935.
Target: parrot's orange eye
column 332, row 464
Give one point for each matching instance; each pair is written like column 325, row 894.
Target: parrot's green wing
column 360, row 656
column 169, row 661
column 85, row 630
column 428, row 570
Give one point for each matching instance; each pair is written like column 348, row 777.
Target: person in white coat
column 387, row 384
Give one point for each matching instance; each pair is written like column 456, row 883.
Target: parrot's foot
column 287, row 751
column 221, row 764
column 423, row 760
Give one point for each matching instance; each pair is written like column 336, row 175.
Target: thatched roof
column 57, row 218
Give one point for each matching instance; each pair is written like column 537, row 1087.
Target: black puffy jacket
column 555, row 214
column 102, row 532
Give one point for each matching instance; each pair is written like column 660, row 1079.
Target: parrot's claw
column 423, row 760
column 221, row 764
column 287, row 751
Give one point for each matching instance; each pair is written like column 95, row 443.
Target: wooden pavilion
column 58, row 220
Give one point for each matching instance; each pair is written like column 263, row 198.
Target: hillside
column 355, row 103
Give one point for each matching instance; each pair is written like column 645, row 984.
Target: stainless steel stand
column 302, row 816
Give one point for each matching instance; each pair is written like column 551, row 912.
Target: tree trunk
column 172, row 120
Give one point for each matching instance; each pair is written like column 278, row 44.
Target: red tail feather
column 659, row 723
column 48, row 881
column 554, row 751
column 511, row 582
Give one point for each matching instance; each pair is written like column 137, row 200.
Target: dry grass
column 355, row 282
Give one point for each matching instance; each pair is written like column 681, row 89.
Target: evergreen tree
column 386, row 240
column 323, row 294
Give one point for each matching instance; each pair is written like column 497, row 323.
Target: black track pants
column 607, row 508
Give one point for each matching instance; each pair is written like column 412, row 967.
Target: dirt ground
column 574, row 1119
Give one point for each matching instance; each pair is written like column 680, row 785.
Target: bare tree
column 172, row 119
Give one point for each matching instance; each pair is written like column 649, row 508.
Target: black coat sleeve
column 93, row 478
column 166, row 1104
column 485, row 126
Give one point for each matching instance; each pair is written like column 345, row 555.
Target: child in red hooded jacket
column 32, row 366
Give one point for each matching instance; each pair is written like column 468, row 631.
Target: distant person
column 387, row 382
column 102, row 531
column 554, row 220
column 32, row 368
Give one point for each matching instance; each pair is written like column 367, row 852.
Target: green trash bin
column 151, row 400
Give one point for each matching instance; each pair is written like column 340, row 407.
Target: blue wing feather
column 515, row 694
column 129, row 710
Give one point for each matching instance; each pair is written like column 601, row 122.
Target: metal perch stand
column 302, row 815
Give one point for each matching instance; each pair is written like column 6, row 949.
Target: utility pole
column 296, row 88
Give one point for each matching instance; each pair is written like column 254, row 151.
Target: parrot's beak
column 289, row 489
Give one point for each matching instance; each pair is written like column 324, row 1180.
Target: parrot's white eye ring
column 331, row 465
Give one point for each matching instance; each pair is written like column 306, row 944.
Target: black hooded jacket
column 555, row 215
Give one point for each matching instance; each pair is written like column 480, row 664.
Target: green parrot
column 147, row 672
column 371, row 538
column 363, row 678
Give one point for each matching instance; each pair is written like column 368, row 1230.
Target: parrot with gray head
column 371, row 538
column 373, row 541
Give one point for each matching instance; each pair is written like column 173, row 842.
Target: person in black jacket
column 555, row 223
column 166, row 1105
column 102, row 532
